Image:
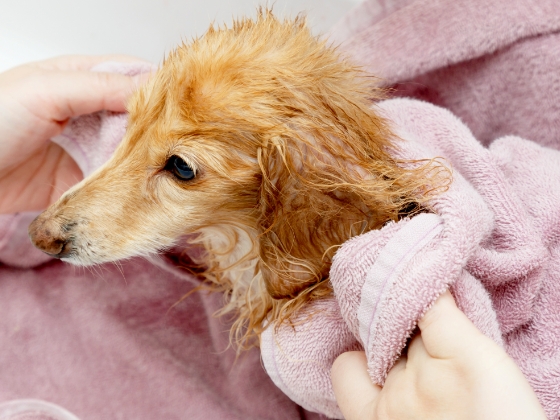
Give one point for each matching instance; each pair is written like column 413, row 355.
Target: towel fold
column 491, row 238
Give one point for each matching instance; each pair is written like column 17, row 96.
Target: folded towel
column 492, row 238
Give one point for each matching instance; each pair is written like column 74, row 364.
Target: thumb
column 446, row 331
column 355, row 393
column 84, row 92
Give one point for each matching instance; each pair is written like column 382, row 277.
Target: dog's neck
column 231, row 257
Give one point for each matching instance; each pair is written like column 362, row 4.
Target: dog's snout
column 50, row 237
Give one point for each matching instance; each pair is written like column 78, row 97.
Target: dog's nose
column 48, row 236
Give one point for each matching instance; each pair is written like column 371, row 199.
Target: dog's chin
column 82, row 260
column 89, row 260
column 85, row 256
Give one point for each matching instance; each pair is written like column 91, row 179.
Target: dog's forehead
column 223, row 88
column 176, row 100
column 155, row 140
column 161, row 121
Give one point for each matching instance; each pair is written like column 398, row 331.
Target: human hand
column 36, row 102
column 451, row 371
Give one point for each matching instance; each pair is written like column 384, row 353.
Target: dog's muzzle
column 50, row 237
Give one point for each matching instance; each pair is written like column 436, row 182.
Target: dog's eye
column 179, row 168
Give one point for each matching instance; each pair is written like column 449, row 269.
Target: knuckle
column 339, row 364
column 104, row 79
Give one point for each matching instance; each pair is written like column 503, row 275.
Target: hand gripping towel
column 491, row 238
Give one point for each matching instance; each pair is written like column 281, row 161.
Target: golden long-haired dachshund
column 261, row 143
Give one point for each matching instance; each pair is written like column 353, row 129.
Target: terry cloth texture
column 494, row 236
column 492, row 63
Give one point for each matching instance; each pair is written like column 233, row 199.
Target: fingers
column 64, row 87
column 70, row 94
column 84, row 62
column 445, row 329
column 355, row 393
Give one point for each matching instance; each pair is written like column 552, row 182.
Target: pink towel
column 492, row 63
column 494, row 236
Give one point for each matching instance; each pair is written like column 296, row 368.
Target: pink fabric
column 110, row 344
column 494, row 65
column 115, row 341
column 493, row 239
column 107, row 346
column 15, row 247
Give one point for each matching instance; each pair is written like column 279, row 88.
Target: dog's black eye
column 179, row 168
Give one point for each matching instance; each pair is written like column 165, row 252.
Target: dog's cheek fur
column 109, row 217
column 302, row 224
column 118, row 214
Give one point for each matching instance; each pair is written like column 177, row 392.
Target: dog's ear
column 320, row 189
column 288, row 255
column 304, row 214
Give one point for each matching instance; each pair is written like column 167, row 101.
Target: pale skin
column 36, row 102
column 452, row 370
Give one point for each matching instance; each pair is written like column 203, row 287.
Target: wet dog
column 259, row 141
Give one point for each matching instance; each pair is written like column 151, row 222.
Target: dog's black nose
column 48, row 236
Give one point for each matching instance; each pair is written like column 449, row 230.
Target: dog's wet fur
column 262, row 143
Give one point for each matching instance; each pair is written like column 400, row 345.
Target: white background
column 36, row 29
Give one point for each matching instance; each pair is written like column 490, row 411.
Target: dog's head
column 261, row 127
